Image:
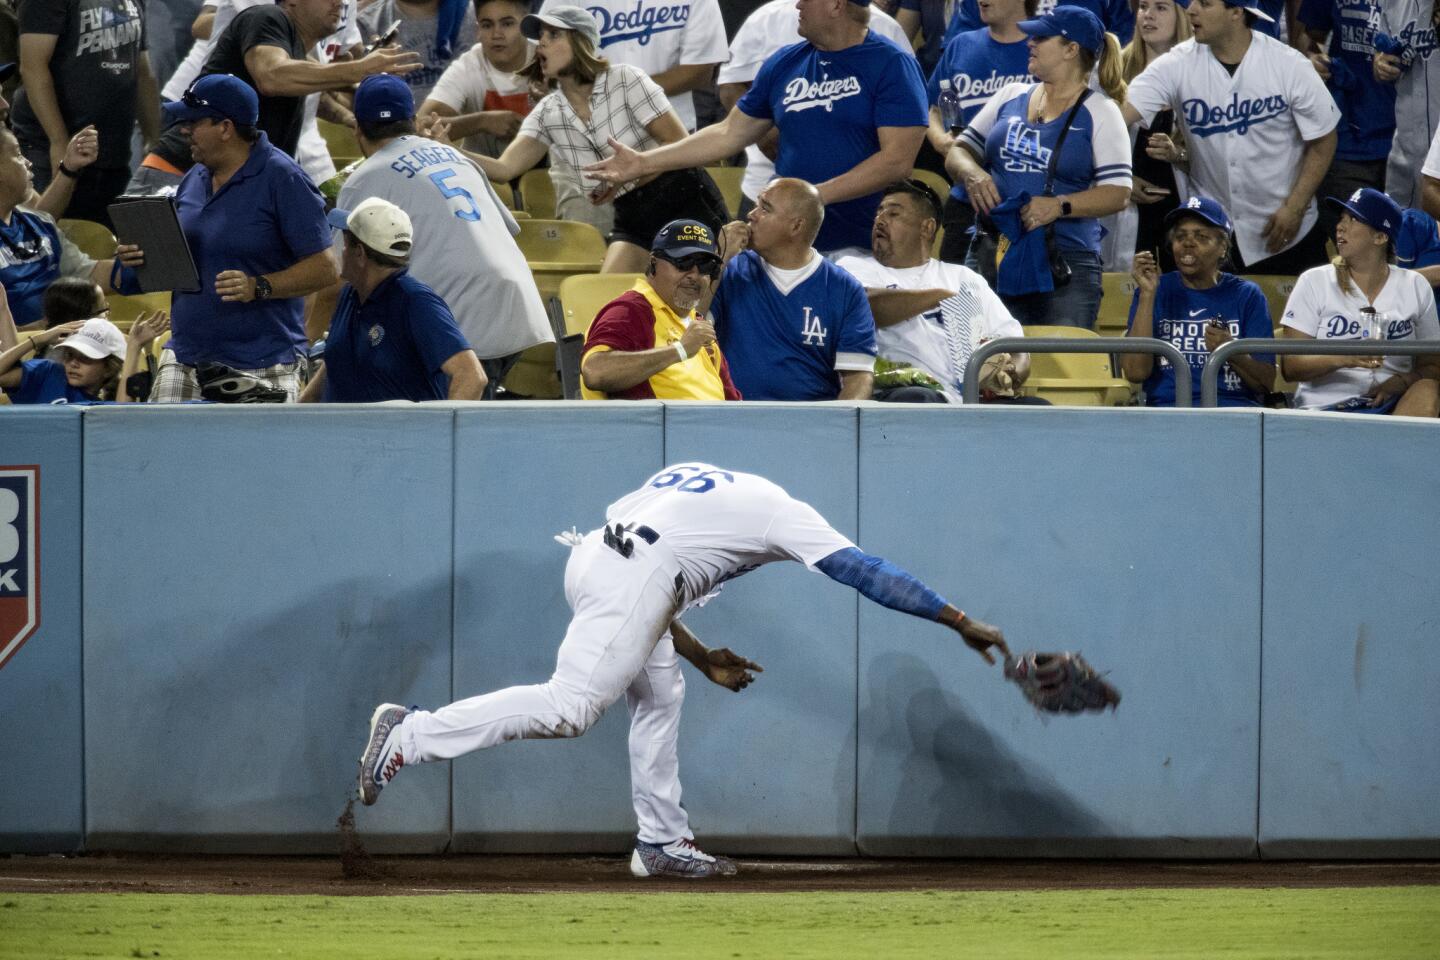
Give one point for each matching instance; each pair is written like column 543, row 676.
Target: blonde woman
column 591, row 102
column 1007, row 150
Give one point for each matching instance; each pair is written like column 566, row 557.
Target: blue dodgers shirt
column 1417, row 244
column 978, row 66
column 1180, row 318
column 392, row 346
column 1116, row 15
column 267, row 217
column 29, row 262
column 828, row 105
column 785, row 346
column 43, row 381
column 1367, row 106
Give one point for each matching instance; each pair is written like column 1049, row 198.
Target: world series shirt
column 828, row 106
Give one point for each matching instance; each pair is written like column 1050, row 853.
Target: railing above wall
column 1062, row 345
column 1210, row 376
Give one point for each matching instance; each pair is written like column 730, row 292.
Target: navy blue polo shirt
column 392, row 346
column 267, row 217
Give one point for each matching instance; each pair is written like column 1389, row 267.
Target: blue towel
column 1023, row 264
column 447, row 27
column 1384, row 43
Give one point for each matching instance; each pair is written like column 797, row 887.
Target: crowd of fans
column 1192, row 145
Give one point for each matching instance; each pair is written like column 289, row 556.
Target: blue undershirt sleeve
column 883, row 582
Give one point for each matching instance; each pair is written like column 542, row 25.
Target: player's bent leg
column 655, row 698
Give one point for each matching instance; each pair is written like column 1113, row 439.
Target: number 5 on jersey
column 439, row 177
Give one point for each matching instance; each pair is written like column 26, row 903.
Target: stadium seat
column 728, row 180
column 555, row 249
column 1277, row 290
column 126, row 310
column 1116, row 292
column 340, row 140
column 537, row 194
column 94, row 239
column 582, row 296
column 1074, row 379
column 939, row 184
column 520, row 215
column 506, row 193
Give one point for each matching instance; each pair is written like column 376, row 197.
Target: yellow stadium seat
column 555, row 249
column 933, row 180
column 340, row 140
column 728, row 180
column 582, row 296
column 1074, row 379
column 537, row 194
column 126, row 310
column 94, row 239
column 1277, row 290
column 506, row 193
column 519, row 214
column 534, row 374
column 1116, row 292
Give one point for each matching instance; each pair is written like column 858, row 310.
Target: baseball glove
column 1060, row 682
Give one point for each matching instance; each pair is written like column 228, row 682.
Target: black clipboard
column 152, row 224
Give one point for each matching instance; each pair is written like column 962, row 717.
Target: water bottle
column 949, row 104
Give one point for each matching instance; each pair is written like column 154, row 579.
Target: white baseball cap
column 377, row 223
column 97, row 339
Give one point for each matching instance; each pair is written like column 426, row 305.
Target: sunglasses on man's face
column 707, row 265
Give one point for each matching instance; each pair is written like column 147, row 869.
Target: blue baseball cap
column 1372, row 208
column 382, row 97
column 1203, row 207
column 680, row 238
column 1252, row 6
column 218, row 96
column 1075, row 24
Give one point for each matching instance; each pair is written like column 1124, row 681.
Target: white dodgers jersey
column 719, row 524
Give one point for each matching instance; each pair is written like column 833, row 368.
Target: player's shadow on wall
column 935, row 780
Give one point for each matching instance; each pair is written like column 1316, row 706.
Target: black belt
column 616, row 539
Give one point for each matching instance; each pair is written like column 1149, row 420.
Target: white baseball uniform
column 656, row 35
column 930, row 341
column 767, row 29
column 1417, row 96
column 1404, row 310
column 689, row 528
column 464, row 241
column 1246, row 133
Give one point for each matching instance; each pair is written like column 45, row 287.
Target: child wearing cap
column 85, row 369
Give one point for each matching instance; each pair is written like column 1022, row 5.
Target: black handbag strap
column 1060, row 142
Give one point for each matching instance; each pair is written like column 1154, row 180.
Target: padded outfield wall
column 224, row 594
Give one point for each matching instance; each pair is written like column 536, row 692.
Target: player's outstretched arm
column 889, row 586
column 722, row 666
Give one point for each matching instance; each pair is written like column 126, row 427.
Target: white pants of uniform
column 617, row 643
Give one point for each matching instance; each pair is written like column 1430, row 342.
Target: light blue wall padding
column 41, row 802
column 256, row 581
column 773, row 768
column 1351, row 692
column 525, row 472
column 1132, row 539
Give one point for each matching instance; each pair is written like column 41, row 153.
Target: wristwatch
column 1065, row 208
column 262, row 289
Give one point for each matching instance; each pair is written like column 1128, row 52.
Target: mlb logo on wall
column 19, row 557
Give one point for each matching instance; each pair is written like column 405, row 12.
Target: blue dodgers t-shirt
column 1367, row 106
column 978, row 66
column 1181, row 315
column 1417, row 244
column 1116, row 15
column 43, row 381
column 785, row 346
column 29, row 263
column 392, row 346
column 267, row 217
column 828, row 105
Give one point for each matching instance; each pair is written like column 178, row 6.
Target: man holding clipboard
column 255, row 227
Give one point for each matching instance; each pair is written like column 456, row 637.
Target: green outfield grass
column 1388, row 922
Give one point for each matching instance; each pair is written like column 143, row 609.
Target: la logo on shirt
column 813, row 330
column 1022, row 151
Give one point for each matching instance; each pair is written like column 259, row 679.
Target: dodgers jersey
column 827, row 105
column 1180, row 317
column 464, row 241
column 1417, row 96
column 1417, row 244
column 787, row 343
column 776, row 25
column 1246, row 132
column 656, row 35
column 720, row 524
column 978, row 66
column 1404, row 310
column 1096, row 153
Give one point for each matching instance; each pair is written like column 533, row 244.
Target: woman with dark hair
column 69, row 299
column 592, row 101
column 1198, row 308
column 1361, row 296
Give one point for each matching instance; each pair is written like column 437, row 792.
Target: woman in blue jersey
column 1197, row 308
column 1004, row 159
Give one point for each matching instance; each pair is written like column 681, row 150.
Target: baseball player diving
column 663, row 548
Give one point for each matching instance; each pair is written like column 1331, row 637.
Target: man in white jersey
column 467, row 251
column 663, row 548
column 929, row 314
column 1260, row 126
column 772, row 26
column 1410, row 60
